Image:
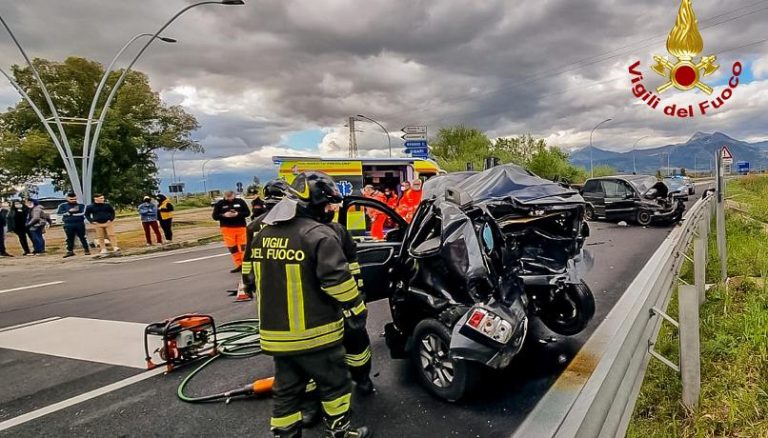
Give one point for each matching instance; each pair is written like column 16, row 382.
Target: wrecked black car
column 484, row 253
column 638, row 198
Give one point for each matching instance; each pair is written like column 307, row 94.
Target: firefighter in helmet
column 305, row 286
column 274, row 191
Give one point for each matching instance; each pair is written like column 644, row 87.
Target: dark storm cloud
column 255, row 73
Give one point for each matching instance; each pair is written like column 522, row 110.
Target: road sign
column 417, row 151
column 416, row 144
column 726, row 155
column 414, row 129
column 414, row 136
column 742, row 167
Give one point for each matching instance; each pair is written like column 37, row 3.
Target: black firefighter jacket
column 303, row 281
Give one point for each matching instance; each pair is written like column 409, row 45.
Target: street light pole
column 99, row 88
column 634, row 154
column 119, row 82
column 591, row 166
column 205, row 186
column 63, row 145
column 389, row 139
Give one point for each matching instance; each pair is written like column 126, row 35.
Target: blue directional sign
column 416, row 144
column 417, row 151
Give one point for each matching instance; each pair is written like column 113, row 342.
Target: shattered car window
column 643, row 184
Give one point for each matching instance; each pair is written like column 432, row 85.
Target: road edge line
column 29, row 324
column 29, row 416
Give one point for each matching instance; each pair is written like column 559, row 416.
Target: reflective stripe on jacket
column 303, row 281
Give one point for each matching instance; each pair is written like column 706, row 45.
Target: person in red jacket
column 410, row 201
column 405, row 187
column 377, row 217
column 391, row 198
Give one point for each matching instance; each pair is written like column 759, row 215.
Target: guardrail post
column 690, row 354
column 700, row 259
column 721, row 243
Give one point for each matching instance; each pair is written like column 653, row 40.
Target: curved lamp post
column 389, row 139
column 634, row 163
column 99, row 88
column 591, row 167
column 205, row 187
column 94, row 142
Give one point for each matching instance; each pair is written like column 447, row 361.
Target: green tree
column 136, row 127
column 456, row 146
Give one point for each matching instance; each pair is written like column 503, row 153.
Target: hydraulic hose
column 236, row 339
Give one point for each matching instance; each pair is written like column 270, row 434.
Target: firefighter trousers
column 292, row 375
column 234, row 240
column 358, row 351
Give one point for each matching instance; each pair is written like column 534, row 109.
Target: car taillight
column 490, row 325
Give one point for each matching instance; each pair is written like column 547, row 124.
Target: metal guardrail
column 595, row 395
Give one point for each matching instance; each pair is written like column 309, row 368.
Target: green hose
column 236, row 339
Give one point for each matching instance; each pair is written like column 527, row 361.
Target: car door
column 593, row 194
column 619, row 199
column 377, row 258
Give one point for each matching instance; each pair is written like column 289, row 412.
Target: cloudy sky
column 282, row 76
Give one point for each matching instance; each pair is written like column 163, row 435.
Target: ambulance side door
column 377, row 258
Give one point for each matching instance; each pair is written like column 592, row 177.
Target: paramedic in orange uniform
column 410, row 201
column 377, row 217
column 231, row 213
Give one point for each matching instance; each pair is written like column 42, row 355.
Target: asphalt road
column 151, row 288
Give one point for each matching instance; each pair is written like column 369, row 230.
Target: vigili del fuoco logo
column 686, row 71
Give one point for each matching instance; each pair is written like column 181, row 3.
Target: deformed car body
column 484, row 253
column 638, row 198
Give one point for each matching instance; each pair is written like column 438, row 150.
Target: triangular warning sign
column 726, row 153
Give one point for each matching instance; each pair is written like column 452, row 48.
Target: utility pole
column 352, row 138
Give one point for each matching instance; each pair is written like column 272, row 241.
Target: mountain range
column 696, row 154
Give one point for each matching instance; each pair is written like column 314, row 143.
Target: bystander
column 73, row 217
column 101, row 215
column 148, row 213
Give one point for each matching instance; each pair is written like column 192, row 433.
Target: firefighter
column 356, row 341
column 274, row 191
column 231, row 213
column 304, row 284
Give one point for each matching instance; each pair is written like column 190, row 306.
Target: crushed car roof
column 506, row 181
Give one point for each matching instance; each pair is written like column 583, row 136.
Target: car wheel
column 644, row 217
column 446, row 378
column 570, row 311
column 589, row 213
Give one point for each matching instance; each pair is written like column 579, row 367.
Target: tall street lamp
column 99, row 88
column 591, row 165
column 389, row 140
column 205, row 187
column 634, row 153
column 94, row 142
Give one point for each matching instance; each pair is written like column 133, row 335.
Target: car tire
column 446, row 378
column 573, row 313
column 644, row 217
column 589, row 213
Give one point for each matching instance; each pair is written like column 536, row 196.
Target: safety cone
column 241, row 295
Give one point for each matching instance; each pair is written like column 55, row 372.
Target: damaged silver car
column 484, row 253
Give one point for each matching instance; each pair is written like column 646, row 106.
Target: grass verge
column 734, row 351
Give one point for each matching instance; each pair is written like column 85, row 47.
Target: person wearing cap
column 148, row 213
column 305, row 287
column 165, row 212
column 231, row 212
column 102, row 215
column 73, row 216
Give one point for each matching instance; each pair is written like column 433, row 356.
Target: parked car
column 484, row 253
column 50, row 204
column 638, row 198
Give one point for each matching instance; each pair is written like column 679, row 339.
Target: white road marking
column 29, row 416
column 201, row 258
column 27, row 324
column 95, row 340
column 31, row 286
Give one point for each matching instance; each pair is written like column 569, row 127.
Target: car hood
column 508, row 181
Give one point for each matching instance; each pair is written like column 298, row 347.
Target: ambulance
column 352, row 174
